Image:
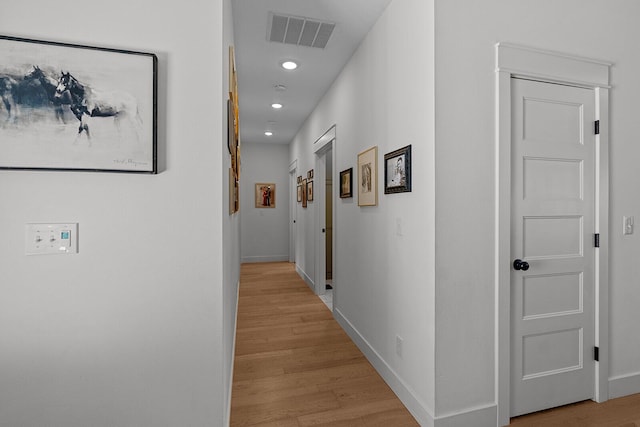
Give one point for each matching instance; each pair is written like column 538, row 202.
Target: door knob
column 520, row 265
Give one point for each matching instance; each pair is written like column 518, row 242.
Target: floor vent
column 299, row 31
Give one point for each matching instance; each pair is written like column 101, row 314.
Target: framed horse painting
column 73, row 107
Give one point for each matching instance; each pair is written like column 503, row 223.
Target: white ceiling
column 258, row 61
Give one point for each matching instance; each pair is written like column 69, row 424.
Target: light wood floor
column 296, row 367
column 294, row 364
column 621, row 412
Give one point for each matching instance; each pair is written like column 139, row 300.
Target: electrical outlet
column 398, row 226
column 399, row 341
column 627, row 225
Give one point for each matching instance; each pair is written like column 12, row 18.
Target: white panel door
column 552, row 217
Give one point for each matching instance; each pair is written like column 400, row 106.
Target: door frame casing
column 551, row 67
column 293, row 206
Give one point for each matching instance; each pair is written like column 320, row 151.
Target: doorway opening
column 327, row 298
column 325, row 280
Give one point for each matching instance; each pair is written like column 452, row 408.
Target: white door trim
column 293, row 205
column 553, row 67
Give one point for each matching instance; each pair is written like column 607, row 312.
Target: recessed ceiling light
column 276, row 105
column 268, row 133
column 289, row 65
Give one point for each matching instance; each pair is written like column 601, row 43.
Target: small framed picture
column 310, row 191
column 310, row 174
column 346, row 183
column 265, row 195
column 368, row 177
column 300, row 192
column 299, row 180
column 397, row 171
column 304, row 193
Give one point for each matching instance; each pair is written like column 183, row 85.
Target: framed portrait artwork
column 300, row 192
column 77, row 108
column 397, row 171
column 310, row 191
column 265, row 195
column 346, row 183
column 310, row 174
column 368, row 177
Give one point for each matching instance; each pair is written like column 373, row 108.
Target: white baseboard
column 306, row 278
column 485, row 416
column 417, row 408
column 274, row 258
column 624, row 385
column 227, row 415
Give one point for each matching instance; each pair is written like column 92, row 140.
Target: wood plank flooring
column 295, row 366
column 621, row 412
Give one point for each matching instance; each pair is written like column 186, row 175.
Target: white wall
column 265, row 232
column 130, row 330
column 384, row 282
column 466, row 32
column 442, row 302
column 231, row 231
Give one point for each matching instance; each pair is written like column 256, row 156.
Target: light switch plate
column 49, row 239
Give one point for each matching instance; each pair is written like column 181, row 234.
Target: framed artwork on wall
column 310, row 174
column 397, row 171
column 346, row 183
column 300, row 192
column 233, row 138
column 265, row 195
column 304, row 193
column 368, row 177
column 232, row 192
column 310, row 191
column 75, row 107
column 231, row 132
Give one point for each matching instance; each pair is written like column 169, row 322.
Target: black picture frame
column 346, row 183
column 77, row 108
column 397, row 171
column 231, row 132
column 310, row 191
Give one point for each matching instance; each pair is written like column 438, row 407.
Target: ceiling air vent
column 299, row 31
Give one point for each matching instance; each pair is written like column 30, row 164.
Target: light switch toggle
column 43, row 239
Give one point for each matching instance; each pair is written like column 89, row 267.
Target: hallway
column 295, row 366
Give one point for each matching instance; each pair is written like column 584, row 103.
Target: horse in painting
column 49, row 85
column 30, row 96
column 87, row 102
column 8, row 86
